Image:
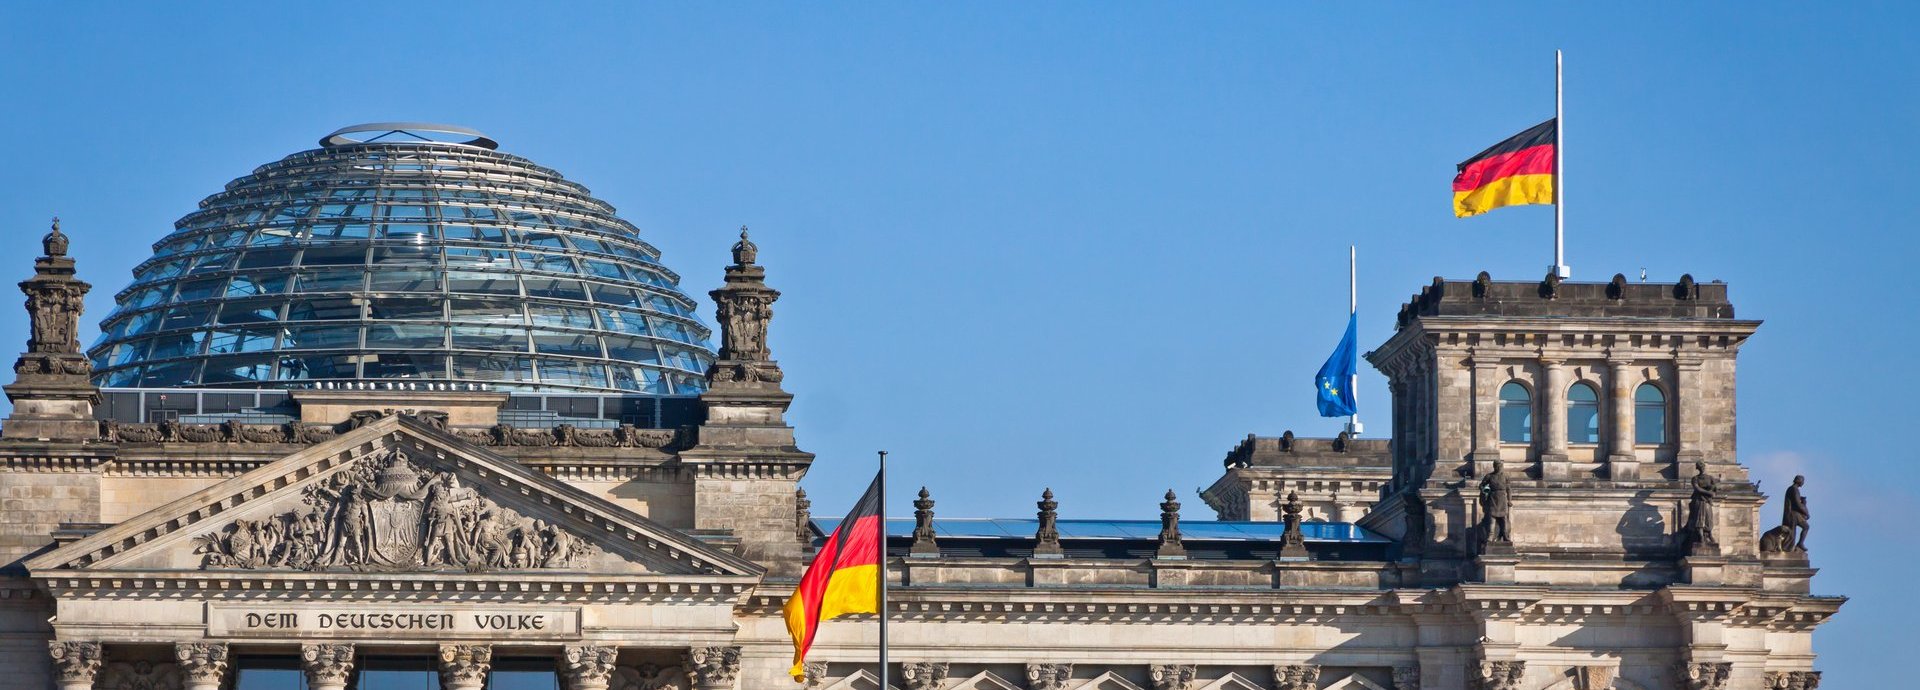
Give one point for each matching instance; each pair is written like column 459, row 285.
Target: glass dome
column 416, row 253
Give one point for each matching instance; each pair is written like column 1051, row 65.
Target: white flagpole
column 883, row 571
column 1353, row 307
column 1559, row 176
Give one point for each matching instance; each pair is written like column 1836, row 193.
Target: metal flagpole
column 1353, row 307
column 1559, row 177
column 883, row 571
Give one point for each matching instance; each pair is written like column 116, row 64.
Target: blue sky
column 1092, row 245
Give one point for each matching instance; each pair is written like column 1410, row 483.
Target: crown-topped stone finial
column 1046, row 539
column 744, row 251
column 54, row 243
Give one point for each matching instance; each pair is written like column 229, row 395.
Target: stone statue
column 1496, row 502
column 1170, row 546
column 1699, row 533
column 1293, row 542
column 1791, row 535
column 1047, row 537
column 923, row 537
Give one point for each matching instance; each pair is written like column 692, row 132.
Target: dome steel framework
column 398, row 254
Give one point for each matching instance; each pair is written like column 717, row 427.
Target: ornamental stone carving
column 1172, row 676
column 382, row 513
column 1293, row 543
column 328, row 666
column 588, row 667
column 1048, row 676
column 1793, row 680
column 138, row 675
column 923, row 542
column 714, row 668
column 816, row 674
column 649, row 677
column 1704, row 675
column 1499, row 675
column 202, row 664
column 1169, row 546
column 1046, row 539
column 1407, row 677
column 465, row 666
column 75, row 663
column 1296, row 677
column 923, row 675
column 1594, row 677
column 55, row 299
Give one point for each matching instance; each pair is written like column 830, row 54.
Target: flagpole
column 1353, row 307
column 1560, row 267
column 883, row 571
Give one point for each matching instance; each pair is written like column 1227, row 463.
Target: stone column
column 714, row 668
column 1687, row 389
column 588, row 667
column 465, row 666
column 1622, row 464
column 75, row 663
column 203, row 665
column 1486, row 413
column 328, row 666
column 1552, row 398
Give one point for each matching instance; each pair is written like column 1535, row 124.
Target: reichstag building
column 405, row 412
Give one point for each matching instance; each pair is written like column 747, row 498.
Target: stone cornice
column 527, row 587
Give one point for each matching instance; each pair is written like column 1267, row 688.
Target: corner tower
column 1597, row 400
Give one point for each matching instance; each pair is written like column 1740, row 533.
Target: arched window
column 1516, row 413
column 1583, row 414
column 1649, row 415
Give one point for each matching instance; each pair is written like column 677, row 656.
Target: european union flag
column 1334, row 383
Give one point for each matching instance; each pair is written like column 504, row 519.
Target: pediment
column 985, row 680
column 1232, row 681
column 394, row 496
column 860, row 679
column 1110, row 681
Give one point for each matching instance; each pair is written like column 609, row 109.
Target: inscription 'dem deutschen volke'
column 394, row 622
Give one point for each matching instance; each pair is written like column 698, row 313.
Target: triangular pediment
column 860, row 679
column 985, row 680
column 396, row 495
column 1232, row 681
column 1109, row 681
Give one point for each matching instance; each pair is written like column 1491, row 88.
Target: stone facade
column 385, row 524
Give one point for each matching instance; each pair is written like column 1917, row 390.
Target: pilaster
column 75, row 663
column 465, row 666
column 1554, row 464
column 203, row 665
column 328, row 666
column 587, row 667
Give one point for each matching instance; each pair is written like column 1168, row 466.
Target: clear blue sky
column 1091, row 246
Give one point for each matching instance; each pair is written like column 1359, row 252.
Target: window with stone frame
column 1516, row 413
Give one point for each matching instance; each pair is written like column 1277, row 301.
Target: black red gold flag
column 1514, row 172
column 844, row 577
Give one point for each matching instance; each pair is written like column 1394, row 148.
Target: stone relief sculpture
column 138, row 675
column 816, row 674
column 1698, row 534
column 648, row 677
column 1704, row 675
column 75, row 661
column 1791, row 536
column 1500, row 675
column 382, row 513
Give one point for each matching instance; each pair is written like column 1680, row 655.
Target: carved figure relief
column 138, row 675
column 54, row 309
column 649, row 677
column 382, row 513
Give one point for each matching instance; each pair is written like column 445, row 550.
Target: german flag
column 1514, row 172
column 843, row 578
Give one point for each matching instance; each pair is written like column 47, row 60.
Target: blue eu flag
column 1334, row 383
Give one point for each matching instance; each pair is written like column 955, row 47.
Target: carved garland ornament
column 381, row 513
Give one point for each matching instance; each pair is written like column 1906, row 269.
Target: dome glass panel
column 410, row 256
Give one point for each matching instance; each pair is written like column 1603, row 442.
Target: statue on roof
column 1791, row 536
column 1698, row 534
column 1496, row 503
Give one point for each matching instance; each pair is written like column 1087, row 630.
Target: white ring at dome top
column 415, row 130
